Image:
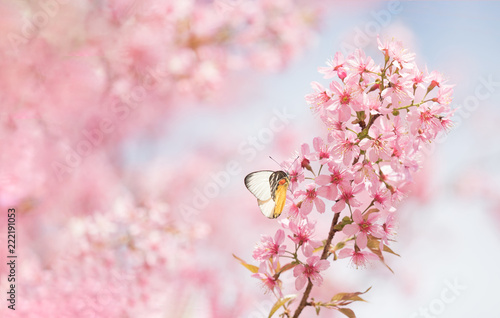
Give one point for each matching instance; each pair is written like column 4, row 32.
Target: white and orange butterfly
column 269, row 187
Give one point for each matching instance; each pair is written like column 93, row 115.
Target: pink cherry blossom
column 347, row 196
column 365, row 172
column 379, row 145
column 304, row 157
column 444, row 96
column 395, row 50
column 378, row 117
column 270, row 282
column 320, row 99
column 345, row 146
column 303, row 231
column 310, row 271
column 363, row 227
column 361, row 66
column 296, row 174
column 426, row 120
column 358, row 258
column 338, row 176
column 335, row 67
column 343, row 97
column 381, row 197
column 293, row 209
column 311, row 199
column 270, row 247
column 322, row 149
column 389, row 228
column 400, row 89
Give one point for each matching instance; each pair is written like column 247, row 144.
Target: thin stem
column 319, row 172
column 411, row 105
column 324, row 255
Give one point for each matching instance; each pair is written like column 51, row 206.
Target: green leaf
column 339, row 226
column 254, row 269
column 317, row 249
column 340, row 245
column 279, row 303
column 348, row 312
column 318, row 308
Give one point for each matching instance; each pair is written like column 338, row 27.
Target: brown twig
column 324, row 255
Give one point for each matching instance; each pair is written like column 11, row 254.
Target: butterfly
column 269, row 187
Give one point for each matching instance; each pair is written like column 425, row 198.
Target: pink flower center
column 336, row 178
column 378, row 143
column 322, row 98
column 311, row 194
column 324, row 155
column 345, row 98
column 270, row 282
column 275, row 249
column 358, row 259
column 309, row 270
column 426, row 116
column 365, row 226
column 304, row 163
column 303, row 236
column 378, row 198
column 346, row 196
column 418, row 79
column 347, row 145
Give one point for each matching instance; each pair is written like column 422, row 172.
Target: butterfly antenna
column 276, row 161
column 292, row 165
column 282, row 165
column 294, row 161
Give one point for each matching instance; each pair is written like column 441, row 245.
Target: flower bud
column 341, row 73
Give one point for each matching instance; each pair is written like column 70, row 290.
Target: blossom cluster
column 80, row 80
column 379, row 118
column 121, row 68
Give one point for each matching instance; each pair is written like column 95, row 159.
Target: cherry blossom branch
column 372, row 150
column 324, row 255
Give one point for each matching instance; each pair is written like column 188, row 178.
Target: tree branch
column 324, row 255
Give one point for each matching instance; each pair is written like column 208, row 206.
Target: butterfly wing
column 267, row 208
column 258, row 183
column 280, row 197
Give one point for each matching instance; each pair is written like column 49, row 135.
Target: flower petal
column 361, row 240
column 300, row 282
column 322, row 180
column 306, row 207
column 320, row 205
column 350, row 229
column 279, row 237
column 357, row 216
column 346, row 252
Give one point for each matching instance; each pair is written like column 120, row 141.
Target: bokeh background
column 141, row 220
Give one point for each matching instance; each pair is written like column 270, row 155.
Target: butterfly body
column 269, row 187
